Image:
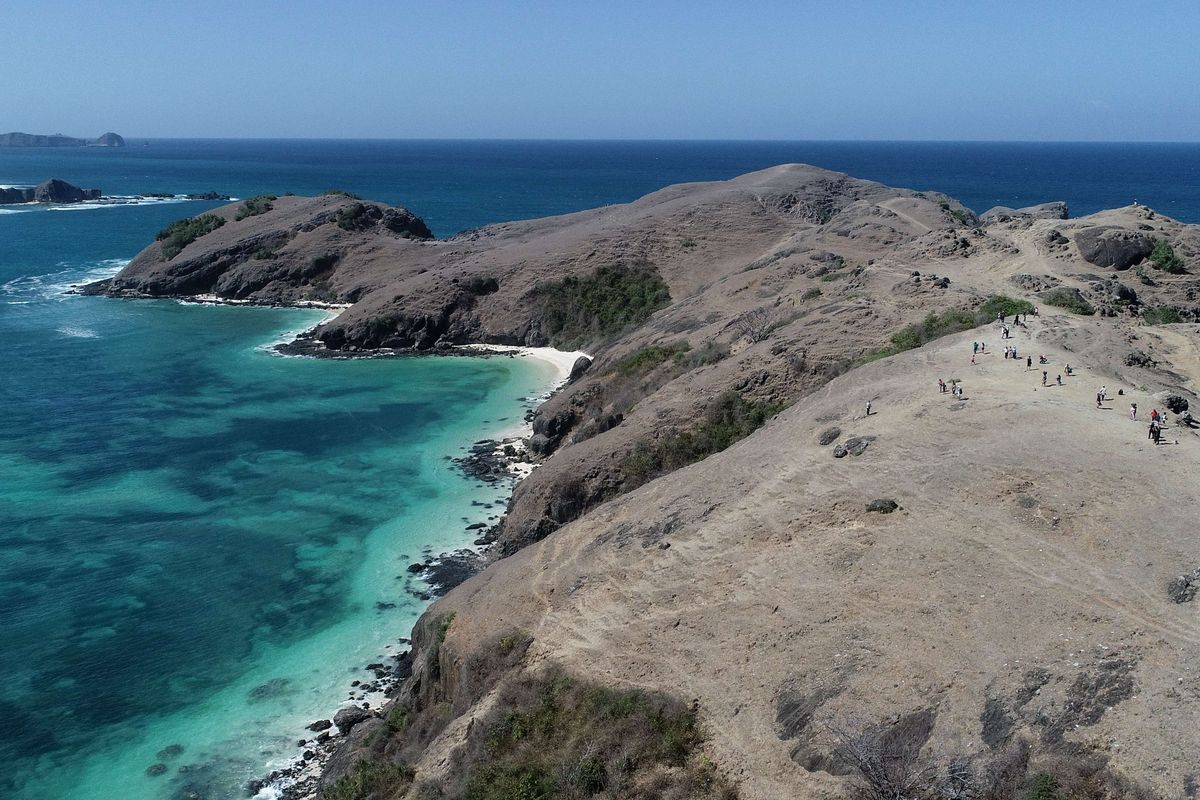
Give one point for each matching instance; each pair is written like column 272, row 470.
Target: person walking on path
column 1028, row 362
column 941, row 386
column 868, row 408
column 1133, row 411
column 974, row 347
column 1043, row 377
column 1060, row 380
column 1099, row 397
column 1103, row 392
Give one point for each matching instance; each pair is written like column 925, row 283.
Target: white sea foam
column 16, row 210
column 78, row 333
column 57, row 285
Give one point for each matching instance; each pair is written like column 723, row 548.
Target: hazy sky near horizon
column 676, row 70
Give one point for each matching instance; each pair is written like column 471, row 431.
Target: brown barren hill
column 724, row 577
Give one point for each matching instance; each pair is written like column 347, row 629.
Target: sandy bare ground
column 1036, row 532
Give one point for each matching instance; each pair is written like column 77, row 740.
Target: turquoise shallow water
column 189, row 518
column 195, row 534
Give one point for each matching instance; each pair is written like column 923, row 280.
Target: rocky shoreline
column 487, row 460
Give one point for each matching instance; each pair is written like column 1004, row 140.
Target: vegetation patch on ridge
column 259, row 204
column 181, row 233
column 935, row 325
column 729, row 418
column 577, row 310
column 553, row 737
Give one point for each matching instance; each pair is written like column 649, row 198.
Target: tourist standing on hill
column 941, row 386
column 1028, row 362
column 1133, row 411
column 868, row 408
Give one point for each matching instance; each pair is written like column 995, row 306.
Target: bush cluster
column 370, row 780
column 259, row 204
column 1163, row 257
column 554, row 737
column 1070, row 300
column 353, row 217
column 1161, row 315
column 728, row 418
column 648, row 358
column 579, row 310
column 181, row 233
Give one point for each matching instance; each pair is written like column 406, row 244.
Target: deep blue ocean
column 202, row 543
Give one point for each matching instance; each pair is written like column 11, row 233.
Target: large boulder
column 348, row 717
column 1175, row 403
column 1113, row 247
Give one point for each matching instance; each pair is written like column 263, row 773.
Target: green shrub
column 1161, row 315
column 1001, row 304
column 648, row 358
column 1163, row 257
column 481, row 284
column 578, row 310
column 353, row 217
column 398, row 719
column 340, row 193
column 368, row 781
column 811, row 294
column 687, row 244
column 551, row 737
column 181, row 233
column 433, row 662
column 728, row 418
column 709, row 353
column 1070, row 300
column 1044, row 787
column 259, row 204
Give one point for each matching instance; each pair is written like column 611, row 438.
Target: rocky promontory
column 760, row 534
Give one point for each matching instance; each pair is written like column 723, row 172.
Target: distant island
column 15, row 139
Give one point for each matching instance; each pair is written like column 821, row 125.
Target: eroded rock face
column 1113, row 247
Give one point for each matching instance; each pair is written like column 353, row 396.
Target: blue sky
column 676, row 70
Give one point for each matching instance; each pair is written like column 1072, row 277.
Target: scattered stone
column 840, row 451
column 320, row 725
column 829, row 436
column 882, row 506
column 417, row 567
column 1137, row 358
column 1184, row 588
column 858, row 445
